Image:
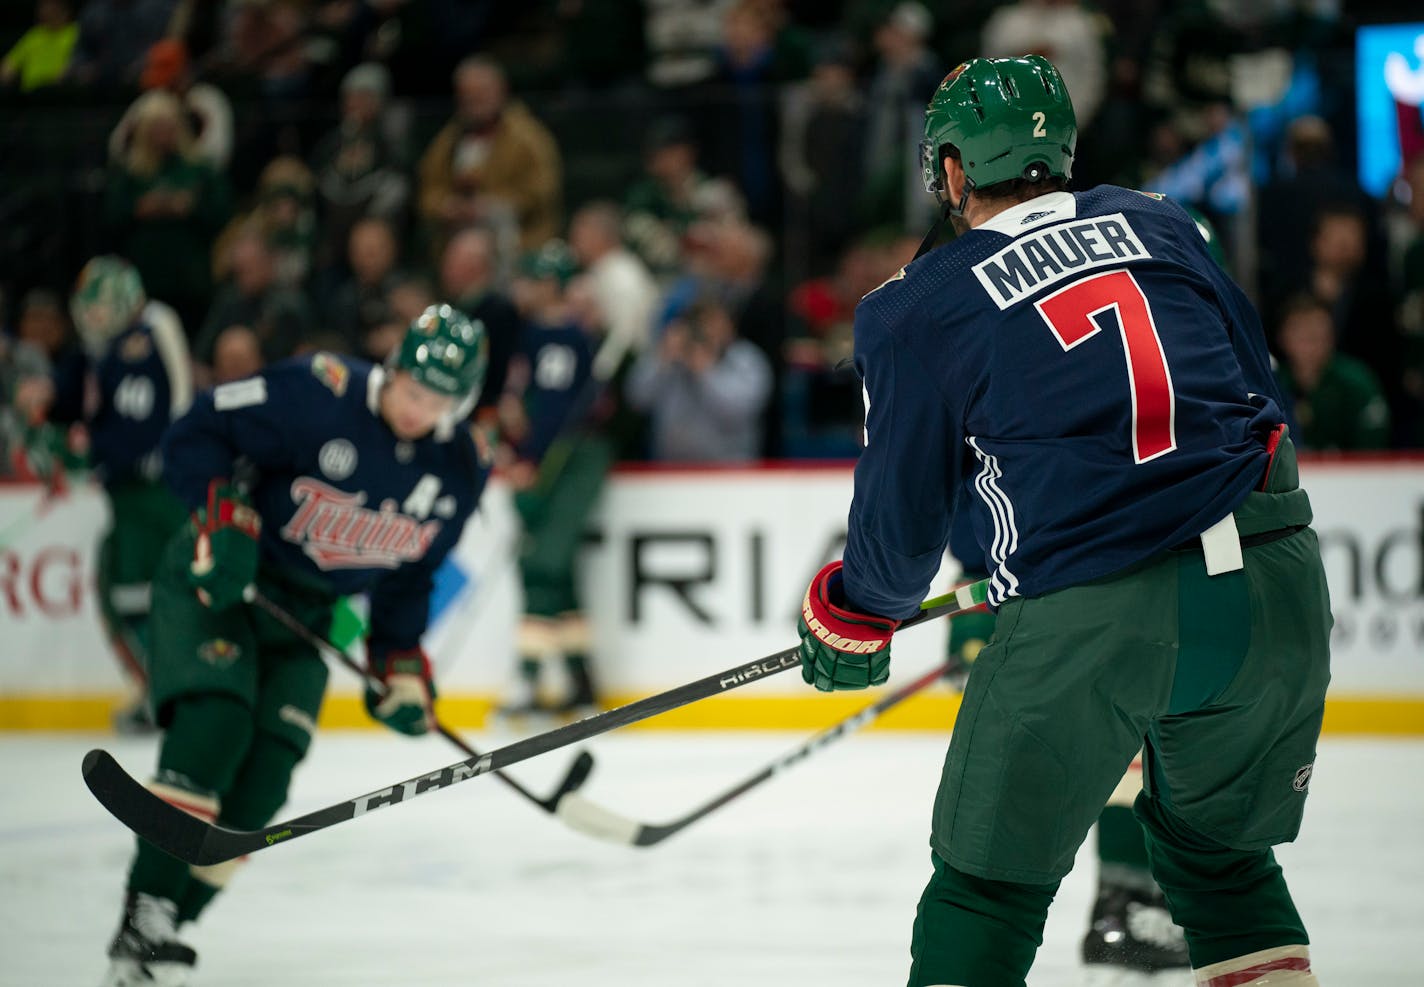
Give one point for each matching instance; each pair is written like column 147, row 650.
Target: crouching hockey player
column 1079, row 364
column 320, row 477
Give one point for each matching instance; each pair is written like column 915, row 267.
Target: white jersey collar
column 374, row 380
column 1017, row 220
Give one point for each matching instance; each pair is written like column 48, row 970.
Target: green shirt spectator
column 41, row 56
column 165, row 207
column 1339, row 402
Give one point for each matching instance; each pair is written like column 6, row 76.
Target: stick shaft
column 256, row 597
column 650, row 835
column 197, row 842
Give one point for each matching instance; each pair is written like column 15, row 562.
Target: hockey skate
column 146, row 951
column 578, row 700
column 1133, row 932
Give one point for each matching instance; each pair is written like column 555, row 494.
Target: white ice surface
column 811, row 880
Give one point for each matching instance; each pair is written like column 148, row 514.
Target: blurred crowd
column 726, row 179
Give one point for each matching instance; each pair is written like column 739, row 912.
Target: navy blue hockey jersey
column 142, row 382
column 344, row 502
column 1084, row 369
column 560, row 364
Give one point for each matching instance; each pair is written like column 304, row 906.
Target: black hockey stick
column 575, row 777
column 196, row 842
column 587, row 817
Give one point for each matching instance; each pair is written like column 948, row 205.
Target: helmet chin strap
column 946, row 210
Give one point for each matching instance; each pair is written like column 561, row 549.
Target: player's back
column 1111, row 378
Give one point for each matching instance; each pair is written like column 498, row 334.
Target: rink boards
column 688, row 572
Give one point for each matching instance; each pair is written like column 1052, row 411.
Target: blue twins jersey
column 1083, row 370
column 141, row 383
column 560, row 362
column 343, row 501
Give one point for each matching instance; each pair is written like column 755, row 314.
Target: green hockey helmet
column 108, row 297
column 554, row 261
column 1005, row 118
column 447, row 352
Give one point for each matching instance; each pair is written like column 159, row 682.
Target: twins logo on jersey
column 337, row 532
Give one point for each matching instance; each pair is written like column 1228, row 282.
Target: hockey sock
column 261, row 785
column 1122, row 848
column 575, row 637
column 580, row 682
column 205, row 742
column 969, row 930
column 197, row 894
column 1229, row 902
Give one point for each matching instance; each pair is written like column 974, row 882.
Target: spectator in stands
column 822, row 411
column 823, row 131
column 493, row 163
column 739, row 266
column 263, row 42
column 905, row 77
column 359, row 166
column 360, row 305
column 682, row 37
column 164, row 207
column 1339, row 403
column 207, row 110
column 1065, row 32
column 1410, row 399
column 672, row 194
column 114, row 38
column 705, row 389
column 44, row 325
column 1308, row 179
column 237, row 353
column 407, row 297
column 468, row 282
column 254, row 301
column 41, row 57
column 622, row 285
column 283, row 216
column 1356, row 292
column 742, row 103
column 26, row 393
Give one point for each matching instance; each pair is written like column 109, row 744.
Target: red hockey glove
column 840, row 648
column 225, row 550
column 410, row 690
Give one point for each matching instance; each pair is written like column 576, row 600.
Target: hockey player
column 1102, row 389
column 560, row 460
column 142, row 381
column 320, row 477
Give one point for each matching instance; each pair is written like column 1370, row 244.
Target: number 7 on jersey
column 1072, row 313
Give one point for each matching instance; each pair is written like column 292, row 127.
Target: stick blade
column 169, row 828
column 578, row 774
column 596, row 821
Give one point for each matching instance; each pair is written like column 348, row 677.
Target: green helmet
column 447, row 352
column 553, row 261
column 108, row 297
column 1006, row 118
